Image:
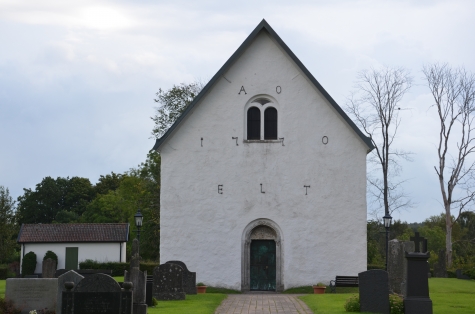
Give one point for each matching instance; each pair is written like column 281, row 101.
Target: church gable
column 258, row 69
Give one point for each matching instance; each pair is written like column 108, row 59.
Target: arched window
column 270, row 124
column 253, row 124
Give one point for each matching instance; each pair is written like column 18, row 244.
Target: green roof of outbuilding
column 263, row 26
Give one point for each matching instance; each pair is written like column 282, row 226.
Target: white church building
column 263, row 177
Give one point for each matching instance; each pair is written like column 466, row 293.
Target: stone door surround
column 261, row 229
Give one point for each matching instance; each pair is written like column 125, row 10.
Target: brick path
column 263, row 303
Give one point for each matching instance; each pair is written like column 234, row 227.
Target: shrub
column 116, row 267
column 29, row 264
column 52, row 255
column 3, row 272
column 353, row 304
column 396, row 303
column 375, row 266
column 7, row 307
column 154, row 302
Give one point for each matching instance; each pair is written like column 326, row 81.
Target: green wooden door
column 263, row 265
column 71, row 258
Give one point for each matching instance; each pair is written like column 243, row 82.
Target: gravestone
column 48, row 268
column 84, row 272
column 417, row 300
column 460, row 275
column 138, row 279
column 70, row 276
column 374, row 291
column 149, row 290
column 32, row 294
column 168, row 282
column 189, row 278
column 97, row 294
column 397, row 265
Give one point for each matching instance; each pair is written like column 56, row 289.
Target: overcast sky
column 78, row 78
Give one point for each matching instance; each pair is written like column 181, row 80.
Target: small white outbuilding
column 75, row 242
column 263, row 177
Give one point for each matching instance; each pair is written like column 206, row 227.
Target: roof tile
column 85, row 232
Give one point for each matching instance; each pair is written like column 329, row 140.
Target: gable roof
column 263, row 26
column 101, row 232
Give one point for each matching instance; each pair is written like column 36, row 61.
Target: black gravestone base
column 93, row 302
column 417, row 306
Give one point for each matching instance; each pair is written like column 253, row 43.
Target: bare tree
column 375, row 108
column 454, row 94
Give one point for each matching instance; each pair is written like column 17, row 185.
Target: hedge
column 117, row 268
column 29, row 264
column 3, row 273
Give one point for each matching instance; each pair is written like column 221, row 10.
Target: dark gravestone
column 440, row 268
column 374, row 291
column 189, row 278
column 168, row 282
column 417, row 300
column 70, row 276
column 460, row 275
column 148, row 291
column 48, row 268
column 97, row 294
column 138, row 279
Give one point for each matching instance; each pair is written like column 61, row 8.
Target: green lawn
column 448, row 295
column 196, row 304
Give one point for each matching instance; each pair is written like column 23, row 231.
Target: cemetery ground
column 449, row 295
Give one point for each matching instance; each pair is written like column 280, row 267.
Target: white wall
column 98, row 251
column 324, row 232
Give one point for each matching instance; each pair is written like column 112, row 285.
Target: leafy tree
column 172, row 103
column 149, row 171
column 8, row 226
column 375, row 108
column 52, row 196
column 110, row 182
column 453, row 91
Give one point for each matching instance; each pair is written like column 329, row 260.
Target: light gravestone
column 32, row 294
column 70, row 276
column 189, row 278
column 417, row 300
column 374, row 291
column 97, row 294
column 138, row 279
column 168, row 282
column 48, row 268
column 397, row 265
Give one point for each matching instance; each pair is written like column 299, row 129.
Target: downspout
column 120, row 252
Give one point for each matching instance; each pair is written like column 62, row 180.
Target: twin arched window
column 254, row 123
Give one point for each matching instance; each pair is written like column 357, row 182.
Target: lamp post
column 138, row 222
column 387, row 223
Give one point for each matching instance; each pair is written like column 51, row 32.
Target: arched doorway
column 262, row 263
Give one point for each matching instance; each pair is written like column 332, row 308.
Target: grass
column 3, row 283
column 196, row 304
column 448, row 295
column 309, row 290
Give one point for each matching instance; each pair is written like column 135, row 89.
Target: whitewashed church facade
column 263, row 178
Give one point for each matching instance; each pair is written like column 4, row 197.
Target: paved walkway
column 263, row 303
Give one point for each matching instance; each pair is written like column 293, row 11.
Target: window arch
column 253, row 124
column 270, row 123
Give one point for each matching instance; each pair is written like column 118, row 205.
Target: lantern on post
column 387, row 223
column 138, row 222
